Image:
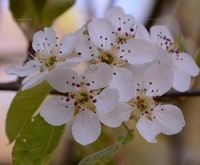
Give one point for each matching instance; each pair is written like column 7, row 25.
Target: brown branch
column 15, row 86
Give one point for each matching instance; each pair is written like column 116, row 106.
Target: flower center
column 82, row 97
column 142, row 105
column 111, row 59
column 50, row 61
column 106, row 57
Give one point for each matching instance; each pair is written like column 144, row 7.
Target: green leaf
column 55, row 8
column 22, row 108
column 21, row 8
column 181, row 43
column 38, row 13
column 18, row 8
column 37, row 143
column 198, row 57
column 27, row 12
column 106, row 154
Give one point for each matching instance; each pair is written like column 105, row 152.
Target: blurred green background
column 179, row 15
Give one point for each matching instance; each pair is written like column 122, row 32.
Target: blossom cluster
column 126, row 67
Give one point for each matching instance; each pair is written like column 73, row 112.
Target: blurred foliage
column 36, row 140
column 22, row 108
column 31, row 15
column 181, row 43
column 36, row 143
column 105, row 155
column 198, row 57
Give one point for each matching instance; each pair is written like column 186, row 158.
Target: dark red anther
column 75, row 103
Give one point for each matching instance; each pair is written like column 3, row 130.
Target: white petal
column 160, row 28
column 67, row 44
column 138, row 69
column 138, row 51
column 28, row 68
column 169, row 118
column 100, row 32
column 44, row 41
column 161, row 36
column 56, row 111
column 113, row 15
column 148, row 129
column 34, row 80
column 86, row 49
column 86, row 127
column 158, row 79
column 123, row 81
column 70, row 63
column 186, row 63
column 123, row 24
column 162, row 55
column 107, row 100
column 63, row 80
column 142, row 33
column 98, row 76
column 115, row 118
column 182, row 80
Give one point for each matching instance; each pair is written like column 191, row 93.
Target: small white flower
column 152, row 118
column 100, row 43
column 103, row 36
column 88, row 102
column 182, row 64
column 125, row 26
column 49, row 55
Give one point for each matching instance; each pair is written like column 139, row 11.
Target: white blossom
column 102, row 44
column 152, row 118
column 86, row 102
column 126, row 27
column 127, row 68
column 182, row 64
column 49, row 55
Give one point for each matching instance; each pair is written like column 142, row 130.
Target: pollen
column 50, row 61
column 142, row 105
column 111, row 58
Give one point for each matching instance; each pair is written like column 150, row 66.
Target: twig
column 15, row 86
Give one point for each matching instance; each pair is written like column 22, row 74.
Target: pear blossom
column 100, row 44
column 87, row 101
column 49, row 55
column 182, row 64
column 126, row 27
column 153, row 118
column 127, row 67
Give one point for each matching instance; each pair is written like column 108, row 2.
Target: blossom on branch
column 87, row 101
column 49, row 55
column 127, row 67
